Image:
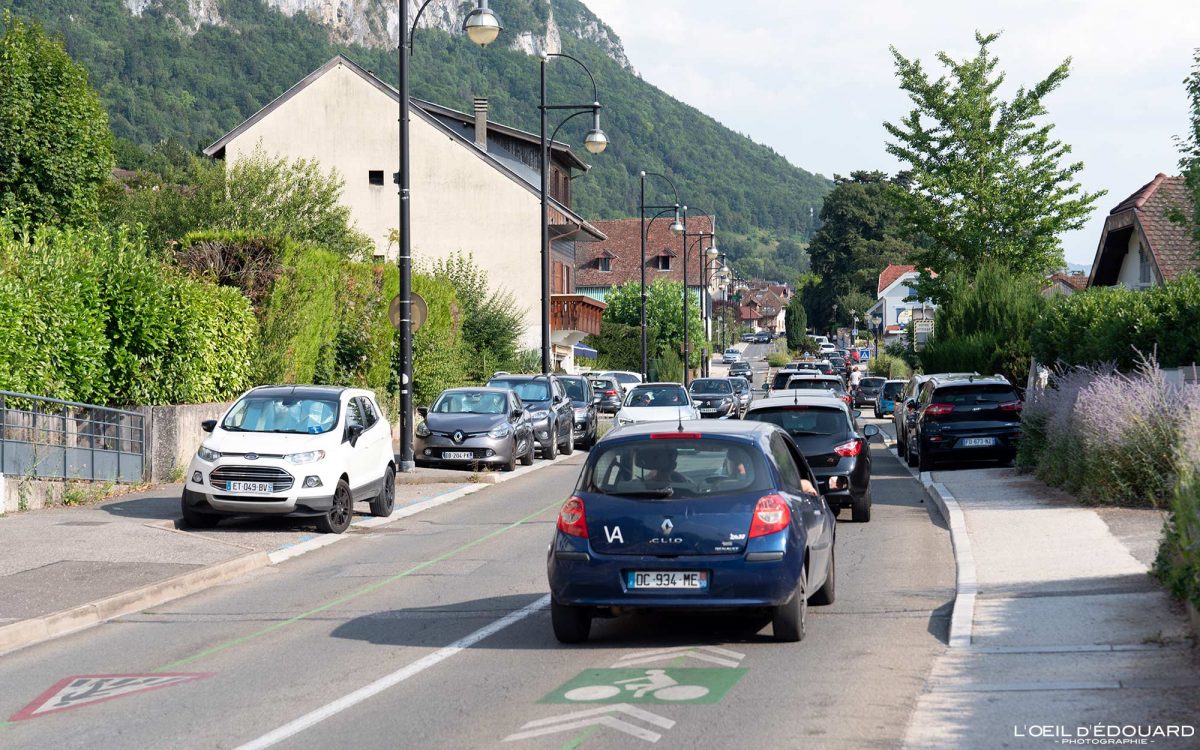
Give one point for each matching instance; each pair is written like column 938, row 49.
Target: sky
column 816, row 80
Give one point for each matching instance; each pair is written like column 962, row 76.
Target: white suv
column 303, row 450
column 732, row 354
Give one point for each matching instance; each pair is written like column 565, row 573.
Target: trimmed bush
column 890, row 366
column 778, row 359
column 1178, row 563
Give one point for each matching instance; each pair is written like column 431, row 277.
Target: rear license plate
column 675, row 579
column 977, row 442
column 708, row 410
column 457, row 455
column 248, row 487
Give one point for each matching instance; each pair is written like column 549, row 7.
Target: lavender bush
column 1178, row 563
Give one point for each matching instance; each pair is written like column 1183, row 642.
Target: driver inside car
column 658, row 467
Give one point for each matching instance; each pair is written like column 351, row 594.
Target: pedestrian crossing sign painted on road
column 687, row 685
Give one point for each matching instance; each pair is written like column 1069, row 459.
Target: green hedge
column 890, row 366
column 1114, row 324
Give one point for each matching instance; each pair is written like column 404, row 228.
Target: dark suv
column 972, row 418
column 549, row 410
column 742, row 368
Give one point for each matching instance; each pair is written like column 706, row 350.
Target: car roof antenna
column 680, row 414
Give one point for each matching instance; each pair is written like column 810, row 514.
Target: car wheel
column 571, row 624
column 338, row 518
column 196, row 519
column 924, row 460
column 909, row 457
column 860, row 509
column 527, row 459
column 788, row 620
column 877, row 414
column 385, row 501
column 828, row 591
column 511, row 463
column 550, row 452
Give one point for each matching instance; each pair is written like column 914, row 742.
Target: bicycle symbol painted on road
column 656, row 682
column 683, row 685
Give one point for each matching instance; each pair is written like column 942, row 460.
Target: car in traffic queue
column 624, row 378
column 972, row 419
column 905, row 414
column 827, row 432
column 781, row 377
column 867, row 389
column 548, row 408
column 296, row 450
column 806, row 381
column 731, row 355
column 715, row 398
column 475, row 428
column 745, row 393
column 885, row 400
column 742, row 369
column 609, row 393
column 657, row 402
column 710, row 516
column 583, row 404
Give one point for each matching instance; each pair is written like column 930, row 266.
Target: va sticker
column 647, row 686
column 85, row 689
column 614, row 535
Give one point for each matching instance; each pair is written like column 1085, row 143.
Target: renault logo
column 458, row 436
column 667, row 526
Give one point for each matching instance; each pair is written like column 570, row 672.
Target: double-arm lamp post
column 699, row 237
column 481, row 27
column 676, row 228
column 595, row 142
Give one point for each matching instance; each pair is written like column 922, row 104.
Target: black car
column 549, row 410
column 828, row 435
column 742, row 368
column 608, row 391
column 715, row 398
column 583, row 404
column 867, row 389
column 745, row 395
column 973, row 418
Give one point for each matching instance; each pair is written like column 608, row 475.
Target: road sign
column 864, row 355
column 601, row 717
column 420, row 312
column 86, row 689
column 647, row 686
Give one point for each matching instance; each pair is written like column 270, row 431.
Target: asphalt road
column 433, row 632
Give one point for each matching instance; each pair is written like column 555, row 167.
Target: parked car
column 867, row 389
column 973, row 418
column 583, row 404
column 748, row 338
column 609, row 392
column 715, row 399
column 885, row 401
column 742, row 369
column 548, row 408
column 475, row 427
column 826, row 431
column 713, row 515
column 731, row 355
column 762, row 338
column 297, row 450
column 744, row 392
column 905, row 413
column 624, row 378
column 656, row 402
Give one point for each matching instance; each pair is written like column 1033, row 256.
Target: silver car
column 475, row 427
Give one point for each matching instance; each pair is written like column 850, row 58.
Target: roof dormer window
column 662, row 262
column 604, row 264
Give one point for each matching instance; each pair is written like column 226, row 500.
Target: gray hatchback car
column 473, row 427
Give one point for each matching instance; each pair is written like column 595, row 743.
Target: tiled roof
column 1077, row 281
column 747, row 313
column 889, row 275
column 623, row 247
column 1171, row 242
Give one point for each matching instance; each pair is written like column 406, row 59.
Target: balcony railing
column 576, row 312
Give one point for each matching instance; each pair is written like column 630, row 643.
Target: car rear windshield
column 803, row 420
column 812, row 384
column 740, row 384
column 891, row 390
column 576, row 389
column 975, row 394
column 665, row 470
column 528, row 390
column 471, row 402
column 626, row 378
column 871, row 382
column 604, row 385
column 711, row 386
column 287, row 414
column 660, row 395
column 781, row 379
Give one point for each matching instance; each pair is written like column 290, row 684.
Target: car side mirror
column 596, row 398
column 516, row 413
column 423, row 411
column 766, row 387
column 353, row 433
column 870, row 431
column 208, row 425
column 857, row 413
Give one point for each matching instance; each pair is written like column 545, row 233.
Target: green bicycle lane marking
column 364, row 590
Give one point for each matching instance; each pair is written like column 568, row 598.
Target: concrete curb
column 37, row 630
column 966, row 585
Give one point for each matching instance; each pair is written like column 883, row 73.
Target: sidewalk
column 1067, row 629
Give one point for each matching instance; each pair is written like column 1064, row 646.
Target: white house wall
column 1131, row 265
column 459, row 201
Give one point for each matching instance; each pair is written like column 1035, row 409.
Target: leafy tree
column 664, row 316
column 796, row 321
column 1189, row 145
column 988, row 179
column 492, row 322
column 55, row 146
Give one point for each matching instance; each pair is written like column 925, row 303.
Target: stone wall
column 173, row 435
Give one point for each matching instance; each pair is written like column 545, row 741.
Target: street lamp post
column 595, row 142
column 700, row 238
column 676, row 228
column 482, row 27
column 713, row 263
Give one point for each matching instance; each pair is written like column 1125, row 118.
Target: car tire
column 909, row 457
column 197, row 520
column 825, row 595
column 569, row 447
column 877, row 414
column 571, row 624
column 860, row 508
column 788, row 620
column 924, row 460
column 385, row 502
column 338, row 518
column 527, row 459
column 550, row 452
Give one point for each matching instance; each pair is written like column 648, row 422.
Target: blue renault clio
column 692, row 516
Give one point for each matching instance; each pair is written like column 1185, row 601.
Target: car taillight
column 571, row 519
column 846, row 399
column 938, row 409
column 848, row 449
column 1011, row 406
column 610, row 392
column 675, row 436
column 770, row 515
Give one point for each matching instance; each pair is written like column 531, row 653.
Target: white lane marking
column 312, row 718
column 712, row 654
column 596, row 717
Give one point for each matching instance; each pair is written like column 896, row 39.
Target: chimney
column 481, row 122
